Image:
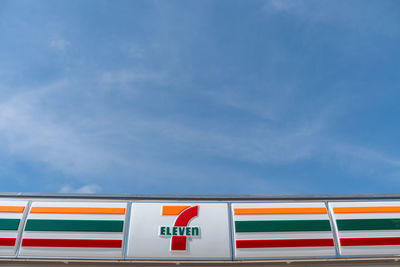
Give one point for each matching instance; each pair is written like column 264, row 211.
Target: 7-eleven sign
column 180, row 230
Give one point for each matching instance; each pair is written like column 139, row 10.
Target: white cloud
column 283, row 5
column 29, row 128
column 59, row 44
column 355, row 154
column 86, row 189
column 78, row 144
column 128, row 76
column 371, row 18
column 135, row 51
column 262, row 102
column 317, row 10
column 258, row 144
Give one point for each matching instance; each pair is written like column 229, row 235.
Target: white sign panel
column 74, row 229
column 367, row 228
column 11, row 213
column 179, row 231
column 279, row 230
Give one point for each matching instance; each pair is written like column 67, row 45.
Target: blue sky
column 200, row 97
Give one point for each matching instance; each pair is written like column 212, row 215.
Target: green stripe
column 282, row 226
column 74, row 225
column 9, row 224
column 368, row 224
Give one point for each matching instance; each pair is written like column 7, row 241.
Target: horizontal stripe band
column 284, row 243
column 366, row 209
column 69, row 243
column 261, row 211
column 367, row 224
column 15, row 209
column 173, row 210
column 74, row 225
column 9, row 224
column 282, row 226
column 374, row 241
column 7, row 242
column 77, row 210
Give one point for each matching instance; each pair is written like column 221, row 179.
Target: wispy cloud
column 152, row 102
column 86, row 189
column 316, row 10
column 135, row 51
column 31, row 129
column 258, row 145
column 366, row 161
column 382, row 18
column 284, row 5
column 265, row 102
column 129, row 76
column 59, row 44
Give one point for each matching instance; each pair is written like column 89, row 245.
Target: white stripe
column 7, row 251
column 111, row 217
column 80, row 204
column 285, row 252
column 367, row 233
column 8, row 234
column 370, row 250
column 285, row 235
column 393, row 215
column 281, row 217
column 365, row 204
column 14, row 203
column 73, row 235
column 279, row 205
column 71, row 252
column 10, row 215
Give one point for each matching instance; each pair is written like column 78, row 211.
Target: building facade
column 108, row 230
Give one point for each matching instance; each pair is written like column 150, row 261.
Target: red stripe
column 284, row 243
column 69, row 243
column 374, row 241
column 7, row 242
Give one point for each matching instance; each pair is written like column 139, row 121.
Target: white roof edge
column 322, row 197
column 177, row 262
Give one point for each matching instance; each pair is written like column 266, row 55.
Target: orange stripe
column 173, row 210
column 16, row 209
column 366, row 209
column 77, row 210
column 260, row 211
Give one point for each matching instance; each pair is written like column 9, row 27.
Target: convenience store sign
column 91, row 229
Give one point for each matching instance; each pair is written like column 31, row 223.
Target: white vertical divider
column 127, row 225
column 22, row 227
column 230, row 218
column 333, row 229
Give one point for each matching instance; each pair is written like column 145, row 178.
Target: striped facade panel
column 367, row 228
column 279, row 230
column 11, row 213
column 74, row 229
